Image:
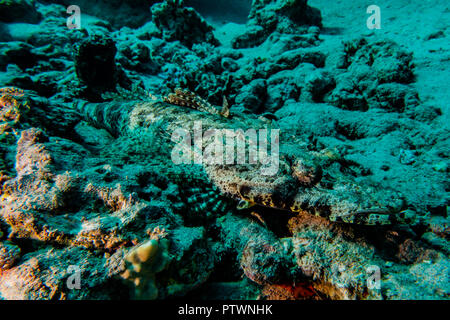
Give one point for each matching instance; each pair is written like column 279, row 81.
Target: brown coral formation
column 9, row 254
column 55, row 213
column 11, row 108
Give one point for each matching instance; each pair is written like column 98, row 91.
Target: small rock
column 407, row 157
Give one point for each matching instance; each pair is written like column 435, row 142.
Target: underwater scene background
column 265, row 149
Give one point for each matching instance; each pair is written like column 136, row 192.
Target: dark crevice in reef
column 227, row 269
column 274, row 220
column 349, row 131
column 353, row 168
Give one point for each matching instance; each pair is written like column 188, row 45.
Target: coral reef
column 98, row 219
column 376, row 76
column 244, row 182
column 93, row 204
column 11, row 110
column 181, row 23
column 282, row 16
column 9, row 254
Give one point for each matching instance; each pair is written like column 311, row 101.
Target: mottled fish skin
column 285, row 190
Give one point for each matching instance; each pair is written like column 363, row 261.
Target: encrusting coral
column 11, row 108
column 283, row 16
column 9, row 254
column 178, row 22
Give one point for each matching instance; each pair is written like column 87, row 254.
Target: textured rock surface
column 88, row 186
column 267, row 16
column 181, row 23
